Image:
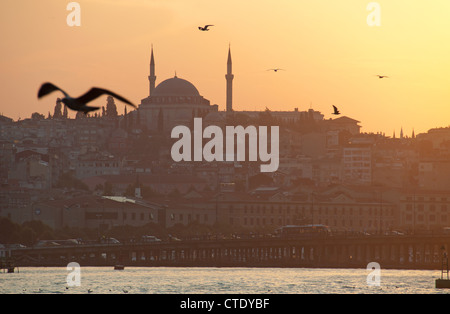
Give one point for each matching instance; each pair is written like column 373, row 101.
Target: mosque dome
column 176, row 87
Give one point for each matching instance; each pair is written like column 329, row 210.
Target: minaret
column 229, row 78
column 152, row 77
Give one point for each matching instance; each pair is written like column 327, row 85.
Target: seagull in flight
column 80, row 103
column 382, row 76
column 276, row 70
column 336, row 111
column 205, row 28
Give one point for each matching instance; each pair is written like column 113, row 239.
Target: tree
column 80, row 115
column 65, row 112
column 107, row 189
column 9, row 231
column 111, row 108
column 37, row 116
column 67, row 180
column 58, row 110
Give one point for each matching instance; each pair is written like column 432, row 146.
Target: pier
column 391, row 252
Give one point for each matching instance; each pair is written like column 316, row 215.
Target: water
column 104, row 280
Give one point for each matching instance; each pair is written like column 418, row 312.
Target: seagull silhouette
column 276, row 70
column 204, row 29
column 382, row 76
column 79, row 104
column 336, row 111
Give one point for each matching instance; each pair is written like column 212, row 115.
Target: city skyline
column 330, row 53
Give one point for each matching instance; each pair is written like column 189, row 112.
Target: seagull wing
column 87, row 109
column 48, row 88
column 97, row 92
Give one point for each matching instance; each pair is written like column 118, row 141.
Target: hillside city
column 108, row 170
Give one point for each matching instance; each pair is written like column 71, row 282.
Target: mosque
column 176, row 101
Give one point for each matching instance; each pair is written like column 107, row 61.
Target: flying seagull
column 382, row 76
column 79, row 104
column 204, row 29
column 336, row 111
column 276, row 70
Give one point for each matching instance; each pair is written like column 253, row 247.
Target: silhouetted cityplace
column 240, row 156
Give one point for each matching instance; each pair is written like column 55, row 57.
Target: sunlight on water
column 218, row 281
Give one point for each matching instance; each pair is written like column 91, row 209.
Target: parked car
column 16, row 246
column 149, row 239
column 174, row 239
column 46, row 243
column 109, row 241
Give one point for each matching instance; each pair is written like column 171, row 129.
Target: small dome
column 175, row 87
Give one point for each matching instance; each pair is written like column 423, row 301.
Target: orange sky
column 330, row 53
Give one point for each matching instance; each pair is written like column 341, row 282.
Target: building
column 425, row 210
column 434, row 174
column 173, row 102
column 94, row 212
column 96, row 164
column 270, row 208
column 357, row 163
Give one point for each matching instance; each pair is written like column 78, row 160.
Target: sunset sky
column 330, row 53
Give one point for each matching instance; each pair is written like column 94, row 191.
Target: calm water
column 217, row 281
